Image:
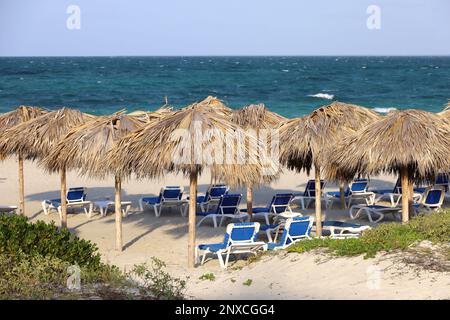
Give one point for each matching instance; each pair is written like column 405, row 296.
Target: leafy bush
column 18, row 236
column 156, row 282
column 35, row 260
column 433, row 226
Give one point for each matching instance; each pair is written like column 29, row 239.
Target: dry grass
column 415, row 139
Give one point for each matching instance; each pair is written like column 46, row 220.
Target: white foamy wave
column 322, row 96
column 384, row 110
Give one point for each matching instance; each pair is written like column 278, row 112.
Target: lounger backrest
column 295, row 229
column 245, row 232
column 398, row 186
column 76, row 194
column 442, row 180
column 215, row 192
column 434, row 196
column 280, row 202
column 229, row 204
column 359, row 185
column 310, row 189
column 171, row 193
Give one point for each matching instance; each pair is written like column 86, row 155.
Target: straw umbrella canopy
column 149, row 116
column 305, row 142
column 256, row 117
column 7, row 121
column 189, row 141
column 85, row 147
column 411, row 143
column 37, row 137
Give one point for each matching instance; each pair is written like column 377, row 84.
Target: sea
column 290, row 86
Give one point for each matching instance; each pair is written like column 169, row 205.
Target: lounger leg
column 269, row 235
column 215, row 221
column 227, row 259
column 220, row 258
column 266, row 216
column 44, row 207
column 141, row 205
column 354, row 216
column 155, row 208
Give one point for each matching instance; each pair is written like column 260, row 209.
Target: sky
column 227, row 27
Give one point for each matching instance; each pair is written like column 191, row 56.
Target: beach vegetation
column 41, row 261
column 208, row 276
column 434, row 227
column 248, row 282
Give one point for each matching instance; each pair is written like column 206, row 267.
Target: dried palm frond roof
column 215, row 104
column 150, row 116
column 305, row 141
column 166, row 146
column 257, row 116
column 415, row 139
column 36, row 137
column 19, row 115
column 85, row 147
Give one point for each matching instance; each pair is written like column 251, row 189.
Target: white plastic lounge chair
column 358, row 190
column 279, row 203
column 375, row 213
column 212, row 196
column 309, row 194
column 343, row 230
column 228, row 207
column 76, row 197
column 295, row 229
column 104, row 205
column 395, row 195
column 432, row 199
column 239, row 238
column 7, row 209
column 168, row 196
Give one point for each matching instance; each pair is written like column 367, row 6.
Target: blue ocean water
column 291, row 86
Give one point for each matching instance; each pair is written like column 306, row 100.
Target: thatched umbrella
column 149, row 116
column 7, row 121
column 256, row 117
column 305, row 142
column 197, row 137
column 85, row 148
column 37, row 137
column 411, row 143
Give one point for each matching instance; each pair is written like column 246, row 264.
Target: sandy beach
column 275, row 276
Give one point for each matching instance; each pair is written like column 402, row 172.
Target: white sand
column 292, row 276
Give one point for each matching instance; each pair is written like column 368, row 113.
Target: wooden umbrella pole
column 118, row 211
column 192, row 216
column 341, row 194
column 405, row 194
column 250, row 200
column 318, row 202
column 21, row 187
column 62, row 173
column 411, row 196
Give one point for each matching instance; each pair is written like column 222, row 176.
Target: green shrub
column 433, row 226
column 156, row 282
column 208, row 276
column 18, row 236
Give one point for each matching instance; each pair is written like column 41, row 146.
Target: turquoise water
column 291, row 86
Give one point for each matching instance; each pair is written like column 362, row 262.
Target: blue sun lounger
column 356, row 190
column 309, row 194
column 212, row 196
column 343, row 230
column 227, row 208
column 295, row 229
column 168, row 196
column 76, row 197
column 279, row 204
column 432, row 199
column 239, row 238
